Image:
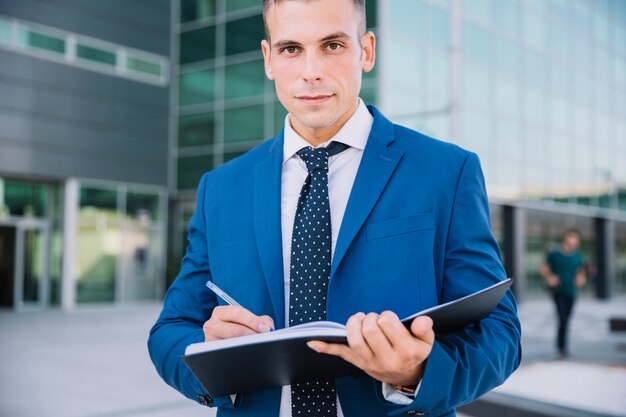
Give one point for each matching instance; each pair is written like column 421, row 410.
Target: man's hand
column 381, row 346
column 233, row 321
column 553, row 281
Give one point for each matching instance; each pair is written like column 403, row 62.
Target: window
column 244, row 124
column 476, row 43
column 232, row 5
column 197, row 87
column 196, row 130
column 191, row 10
column 95, row 54
column 190, row 170
column 407, row 16
column 5, row 32
column 31, row 39
column 197, row 45
column 244, row 35
column 245, row 80
column 143, row 66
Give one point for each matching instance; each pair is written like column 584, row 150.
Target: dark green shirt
column 565, row 266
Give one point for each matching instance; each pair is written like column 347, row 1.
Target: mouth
column 314, row 98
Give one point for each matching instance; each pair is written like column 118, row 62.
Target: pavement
column 93, row 362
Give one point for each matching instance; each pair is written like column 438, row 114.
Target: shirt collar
column 353, row 133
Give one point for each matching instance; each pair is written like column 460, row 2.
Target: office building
column 84, row 105
column 536, row 87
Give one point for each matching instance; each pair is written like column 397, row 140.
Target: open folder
column 281, row 357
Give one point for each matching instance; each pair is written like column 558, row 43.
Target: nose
column 313, row 68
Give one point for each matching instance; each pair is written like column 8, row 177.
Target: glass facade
column 120, row 240
column 536, row 88
column 72, row 49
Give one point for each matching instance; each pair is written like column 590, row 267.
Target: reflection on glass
column 232, row 5
column 408, row 17
column 507, row 95
column 197, row 45
column 476, row 83
column 438, row 79
column 25, row 199
column 196, row 129
column 508, row 55
column 479, row 10
column 191, row 10
column 143, row 66
column 98, row 245
column 33, row 265
column 620, row 257
column 410, row 75
column 439, row 28
column 279, row 117
column 244, row 35
column 244, row 80
column 476, row 43
column 95, row 54
column 32, row 39
column 244, row 124
column 191, row 168
column 5, row 31
column 197, row 87
column 534, row 29
column 507, row 16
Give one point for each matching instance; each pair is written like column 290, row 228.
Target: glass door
column 31, row 264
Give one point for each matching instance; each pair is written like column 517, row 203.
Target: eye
column 290, row 50
column 334, row 46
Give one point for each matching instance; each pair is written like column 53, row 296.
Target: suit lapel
column 267, row 224
column 377, row 165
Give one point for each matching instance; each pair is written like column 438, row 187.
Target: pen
column 220, row 293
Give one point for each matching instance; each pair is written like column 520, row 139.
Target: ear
column 368, row 42
column 267, row 53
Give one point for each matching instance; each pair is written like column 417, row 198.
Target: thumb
column 422, row 328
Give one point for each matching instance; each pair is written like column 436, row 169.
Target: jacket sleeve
column 187, row 305
column 465, row 364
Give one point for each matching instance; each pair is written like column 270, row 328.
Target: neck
column 317, row 136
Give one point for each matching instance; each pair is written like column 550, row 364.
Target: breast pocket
column 400, row 226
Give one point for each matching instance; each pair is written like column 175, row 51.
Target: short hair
column 358, row 4
column 572, row 231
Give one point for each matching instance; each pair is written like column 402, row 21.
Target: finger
column 422, row 328
column 355, row 336
column 374, row 336
column 393, row 329
column 241, row 316
column 215, row 329
column 335, row 349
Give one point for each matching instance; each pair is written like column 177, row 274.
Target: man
column 563, row 273
column 395, row 223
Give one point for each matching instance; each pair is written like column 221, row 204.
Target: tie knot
column 314, row 158
column 317, row 158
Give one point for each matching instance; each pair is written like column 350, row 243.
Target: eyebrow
column 332, row 36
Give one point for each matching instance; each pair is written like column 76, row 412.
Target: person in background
column 564, row 274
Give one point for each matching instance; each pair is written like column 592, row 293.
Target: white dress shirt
column 342, row 169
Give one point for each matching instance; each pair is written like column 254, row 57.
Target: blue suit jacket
column 416, row 233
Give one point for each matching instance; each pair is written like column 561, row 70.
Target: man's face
column 316, row 59
column 571, row 241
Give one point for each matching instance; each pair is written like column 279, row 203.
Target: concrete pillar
column 70, row 234
column 514, row 247
column 604, row 230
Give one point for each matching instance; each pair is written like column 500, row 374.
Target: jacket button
column 204, row 399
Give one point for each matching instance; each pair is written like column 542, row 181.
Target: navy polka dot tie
column 311, row 243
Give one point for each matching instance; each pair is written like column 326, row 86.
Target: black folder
column 265, row 360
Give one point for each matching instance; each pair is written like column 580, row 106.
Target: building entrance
column 24, row 279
